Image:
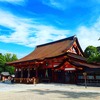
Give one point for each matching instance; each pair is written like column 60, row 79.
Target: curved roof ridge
column 68, row 38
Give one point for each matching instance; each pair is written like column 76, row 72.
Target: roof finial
column 75, row 36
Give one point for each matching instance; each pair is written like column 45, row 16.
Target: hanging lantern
column 47, row 63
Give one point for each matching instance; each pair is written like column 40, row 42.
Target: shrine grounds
column 48, row 92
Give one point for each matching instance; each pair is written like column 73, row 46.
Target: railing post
column 85, row 79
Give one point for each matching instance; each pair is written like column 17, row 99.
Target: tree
column 2, row 63
column 8, row 57
column 90, row 50
column 92, row 54
column 94, row 59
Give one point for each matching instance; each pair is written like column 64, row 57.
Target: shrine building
column 61, row 61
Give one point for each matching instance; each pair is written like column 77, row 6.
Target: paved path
column 48, row 92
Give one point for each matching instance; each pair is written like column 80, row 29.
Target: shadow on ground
column 64, row 94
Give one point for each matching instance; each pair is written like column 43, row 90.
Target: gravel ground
column 48, row 92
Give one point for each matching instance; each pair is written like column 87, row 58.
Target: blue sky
column 27, row 23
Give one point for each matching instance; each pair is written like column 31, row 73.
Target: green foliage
column 2, row 63
column 92, row 54
column 10, row 69
column 8, row 57
column 90, row 50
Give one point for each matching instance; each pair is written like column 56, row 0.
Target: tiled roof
column 75, row 56
column 81, row 61
column 49, row 50
column 5, row 73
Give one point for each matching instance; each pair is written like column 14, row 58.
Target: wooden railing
column 89, row 82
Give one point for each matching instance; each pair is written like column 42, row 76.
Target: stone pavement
column 48, row 92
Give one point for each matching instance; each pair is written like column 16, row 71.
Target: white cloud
column 30, row 33
column 27, row 32
column 60, row 4
column 67, row 4
column 3, row 51
column 46, row 34
column 89, row 35
column 19, row 55
column 19, row 2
